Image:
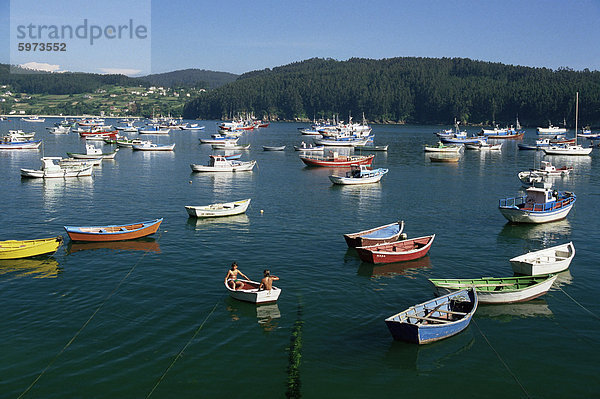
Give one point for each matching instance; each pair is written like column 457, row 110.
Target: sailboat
column 570, row 149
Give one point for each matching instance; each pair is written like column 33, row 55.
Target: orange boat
column 113, row 232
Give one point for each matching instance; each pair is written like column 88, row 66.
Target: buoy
column 190, row 182
column 261, row 211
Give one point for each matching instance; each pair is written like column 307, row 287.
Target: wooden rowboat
column 397, row 251
column 250, row 292
column 273, row 148
column 14, row 249
column 377, row 235
column 549, row 260
column 218, row 210
column 434, row 320
column 113, row 232
column 499, row 289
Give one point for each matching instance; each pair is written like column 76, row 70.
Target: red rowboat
column 398, row 251
column 108, row 133
column 333, row 160
column 113, row 232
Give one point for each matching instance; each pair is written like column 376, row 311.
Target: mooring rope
column 181, row 352
column 583, row 307
column 85, row 324
column 502, row 360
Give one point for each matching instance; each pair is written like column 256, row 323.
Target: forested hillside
column 414, row 90
column 199, row 78
column 60, row 83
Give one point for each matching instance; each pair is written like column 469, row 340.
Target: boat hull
column 14, row 249
column 243, row 167
column 517, row 215
column 524, row 289
column 398, row 251
column 378, row 235
column 61, row 174
column 316, row 161
column 549, row 260
column 218, row 210
column 405, row 327
column 250, row 293
column 113, row 232
column 351, row 181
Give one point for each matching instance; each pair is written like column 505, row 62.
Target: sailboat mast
column 576, row 115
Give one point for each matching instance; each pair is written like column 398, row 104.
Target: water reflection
column 53, row 190
column 34, row 267
column 141, row 244
column 409, row 269
column 507, row 312
column 222, row 184
column 267, row 316
column 545, row 233
column 202, row 223
column 563, row 278
column 425, row 358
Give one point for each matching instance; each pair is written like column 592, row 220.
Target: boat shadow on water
column 519, row 310
column 36, row 267
column 224, row 221
column 409, row 268
column 547, row 233
column 267, row 315
column 145, row 244
column 426, row 358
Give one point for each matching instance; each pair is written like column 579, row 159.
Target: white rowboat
column 549, row 260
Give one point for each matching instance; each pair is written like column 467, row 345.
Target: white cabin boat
column 540, row 205
column 550, row 260
column 551, row 130
column 218, row 163
column 149, row 146
column 218, row 210
column 359, row 174
column 52, row 169
column 441, row 147
column 93, row 152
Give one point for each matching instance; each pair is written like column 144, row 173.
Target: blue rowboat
column 434, row 320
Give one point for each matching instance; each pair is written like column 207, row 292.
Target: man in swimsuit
column 232, row 275
column 267, row 281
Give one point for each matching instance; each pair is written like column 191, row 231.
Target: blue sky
column 236, row 36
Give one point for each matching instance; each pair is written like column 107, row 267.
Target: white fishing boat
column 530, row 178
column 34, row 118
column 249, row 292
column 441, row 147
column 153, row 129
column 19, row 136
column 93, row 152
column 218, row 163
column 482, row 146
column 124, row 142
column 540, row 205
column 149, row 146
column 76, row 161
column 59, row 130
column 230, row 146
column 218, row 210
column 549, row 260
column 342, row 141
column 547, row 169
column 359, row 174
column 308, row 147
column 52, row 169
column 219, row 139
column 570, row 149
column 551, row 130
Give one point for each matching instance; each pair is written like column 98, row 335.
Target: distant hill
column 407, row 89
column 39, row 82
column 199, row 78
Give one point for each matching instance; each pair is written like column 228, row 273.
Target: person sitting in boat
column 232, row 277
column 267, row 282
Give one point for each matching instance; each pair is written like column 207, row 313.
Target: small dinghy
column 377, row 235
column 550, row 260
column 17, row 249
column 499, row 289
column 359, row 174
column 397, row 251
column 218, row 210
column 249, row 292
column 92, row 152
column 114, row 232
column 308, row 147
column 273, row 148
column 434, row 320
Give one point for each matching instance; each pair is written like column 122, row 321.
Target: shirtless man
column 232, row 275
column 267, row 281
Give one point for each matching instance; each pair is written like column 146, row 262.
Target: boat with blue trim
column 115, row 232
column 435, row 319
column 540, row 205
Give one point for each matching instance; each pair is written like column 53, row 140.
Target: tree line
column 407, row 90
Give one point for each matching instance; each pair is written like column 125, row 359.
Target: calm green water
column 131, row 310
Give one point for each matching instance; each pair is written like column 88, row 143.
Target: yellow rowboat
column 13, row 249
